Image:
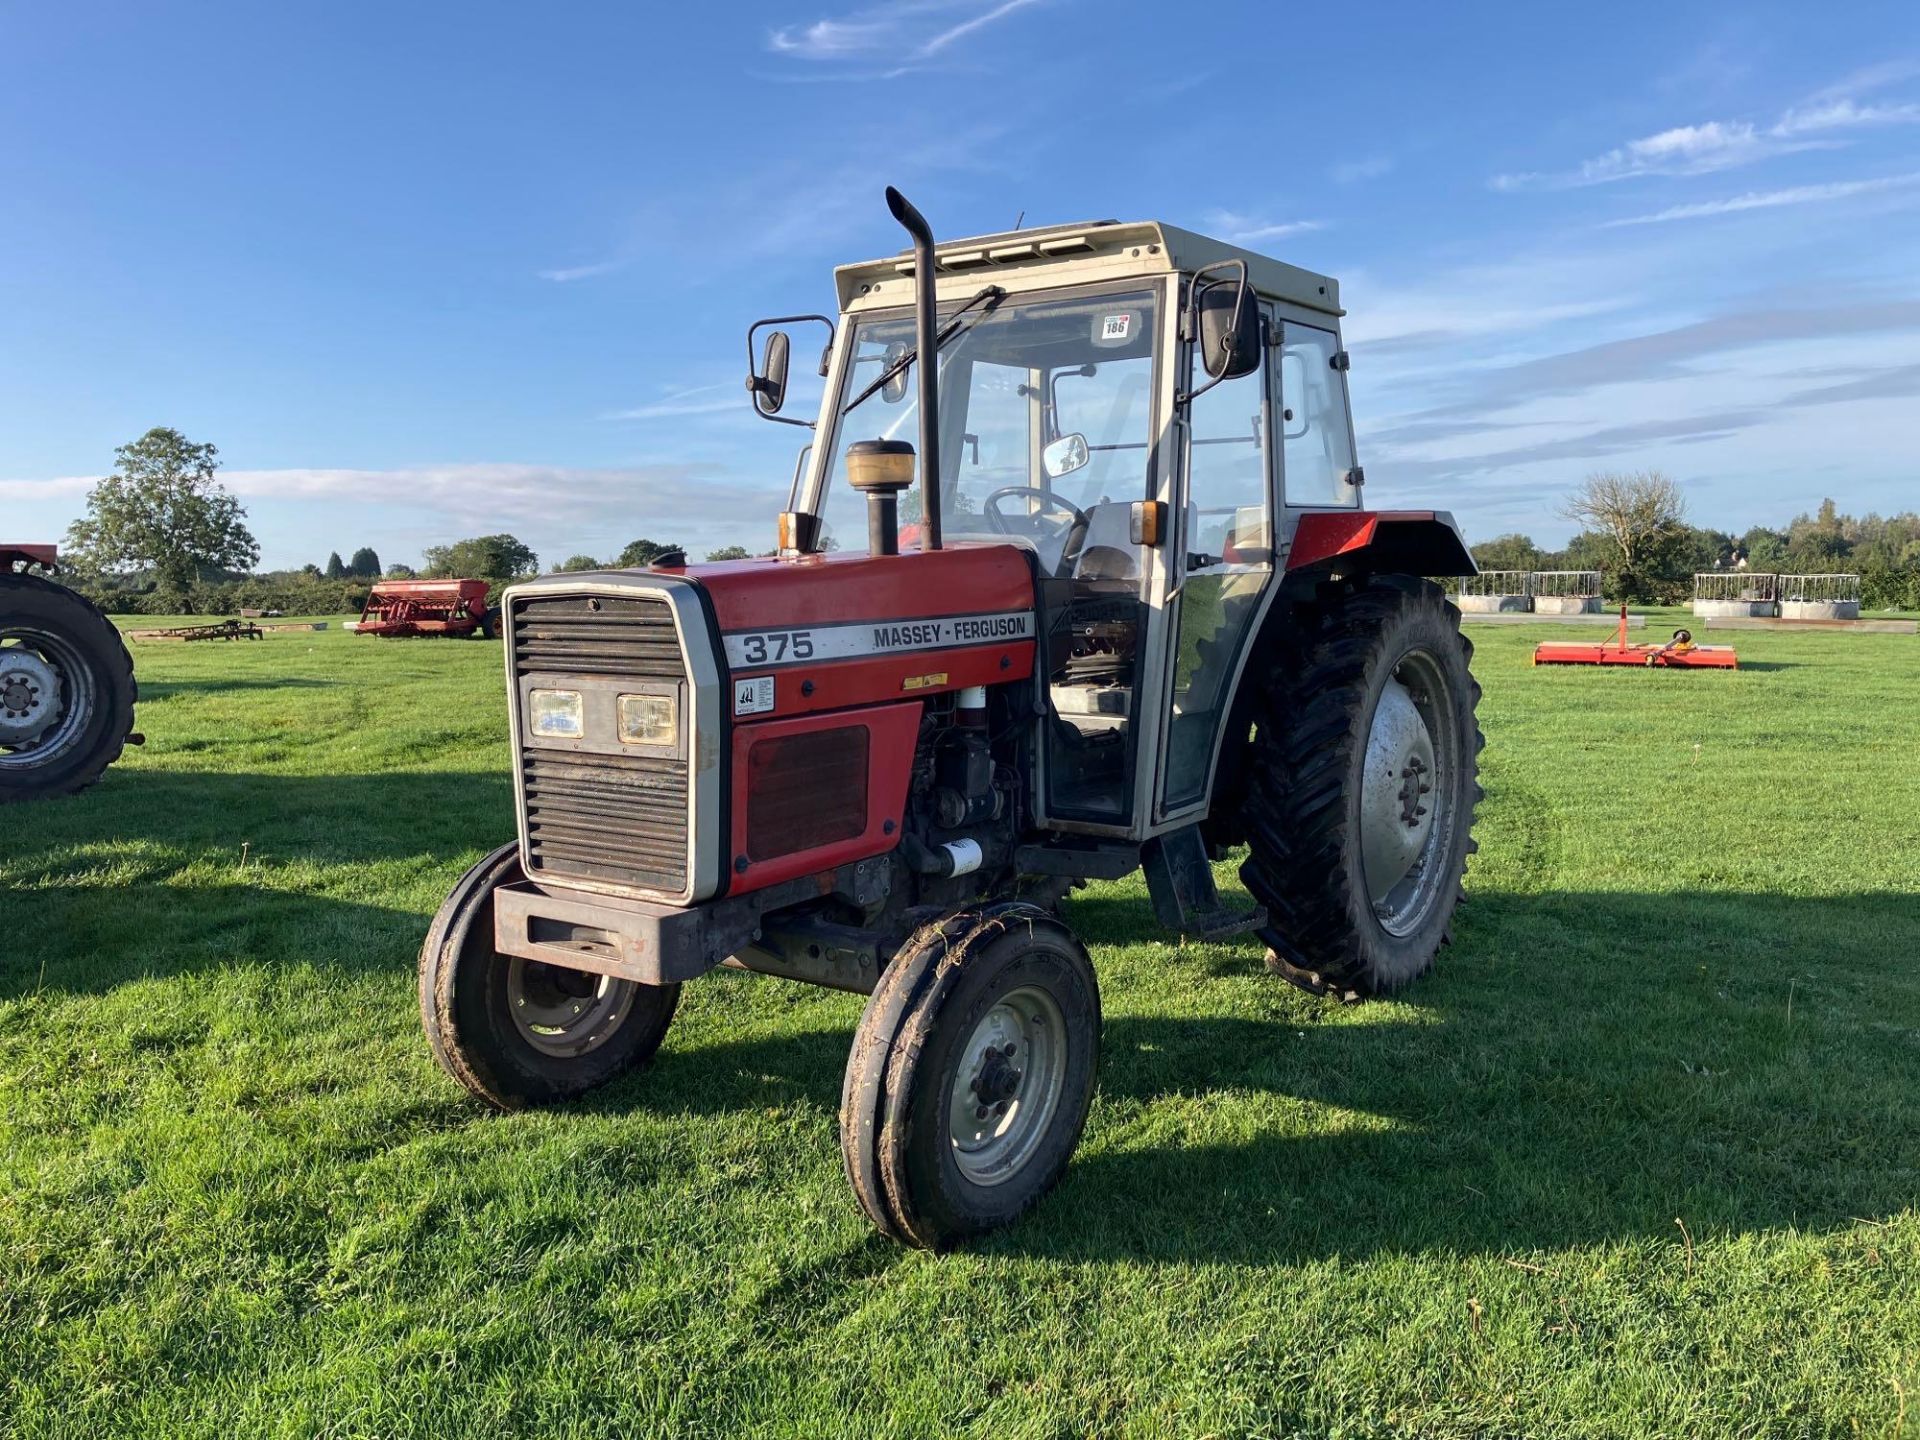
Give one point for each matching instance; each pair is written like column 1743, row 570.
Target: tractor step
column 1185, row 899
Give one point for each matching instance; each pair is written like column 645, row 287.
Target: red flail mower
column 428, row 607
column 1678, row 653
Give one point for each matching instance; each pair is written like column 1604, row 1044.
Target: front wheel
column 1361, row 788
column 520, row 1032
column 971, row 1074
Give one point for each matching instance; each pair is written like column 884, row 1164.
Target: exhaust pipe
column 926, row 358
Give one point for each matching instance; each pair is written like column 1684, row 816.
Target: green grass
column 1641, row 1158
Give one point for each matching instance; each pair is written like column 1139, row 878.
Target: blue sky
column 425, row 271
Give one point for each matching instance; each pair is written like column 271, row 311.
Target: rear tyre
column 1360, row 790
column 971, row 1074
column 518, row 1032
column 490, row 625
column 66, row 690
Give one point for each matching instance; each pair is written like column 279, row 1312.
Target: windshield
column 1046, row 409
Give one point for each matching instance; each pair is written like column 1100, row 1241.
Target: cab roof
column 1090, row 249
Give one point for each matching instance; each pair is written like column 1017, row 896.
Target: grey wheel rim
column 1007, row 1086
column 47, row 696
column 1407, row 810
column 565, row 1013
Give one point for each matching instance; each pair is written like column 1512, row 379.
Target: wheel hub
column 1395, row 816
column 564, row 1012
column 1007, row 1085
column 29, row 696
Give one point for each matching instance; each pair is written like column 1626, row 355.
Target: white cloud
column 1844, row 115
column 902, row 34
column 1241, row 229
column 570, row 273
column 1354, row 172
column 1769, row 199
column 682, row 402
column 1713, row 145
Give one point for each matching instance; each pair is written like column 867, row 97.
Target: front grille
column 619, row 819
column 631, row 637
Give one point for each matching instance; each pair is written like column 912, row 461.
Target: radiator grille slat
column 630, row 637
column 618, row 819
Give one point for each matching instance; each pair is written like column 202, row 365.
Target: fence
column 1736, row 586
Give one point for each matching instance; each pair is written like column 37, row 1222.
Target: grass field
column 1641, row 1158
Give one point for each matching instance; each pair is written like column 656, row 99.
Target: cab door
column 1221, row 567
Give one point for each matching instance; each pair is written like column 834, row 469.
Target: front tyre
column 1361, row 790
column 519, row 1032
column 971, row 1074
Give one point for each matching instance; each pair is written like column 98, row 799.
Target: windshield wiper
column 993, row 295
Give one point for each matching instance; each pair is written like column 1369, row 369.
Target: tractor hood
column 825, row 632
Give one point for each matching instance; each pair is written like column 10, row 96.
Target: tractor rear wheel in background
column 1360, row 789
column 971, row 1074
column 66, row 690
column 519, row 1033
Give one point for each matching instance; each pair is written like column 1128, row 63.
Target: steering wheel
column 1076, row 528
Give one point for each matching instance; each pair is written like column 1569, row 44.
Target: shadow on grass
column 329, row 819
column 166, row 689
column 1586, row 1068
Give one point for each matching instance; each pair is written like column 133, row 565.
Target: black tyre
column 66, row 690
column 1360, row 789
column 971, row 1074
column 489, row 625
column 518, row 1032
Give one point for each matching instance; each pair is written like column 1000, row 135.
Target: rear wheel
column 66, row 690
column 1360, row 790
column 520, row 1032
column 971, row 1074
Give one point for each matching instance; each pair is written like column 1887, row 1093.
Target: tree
column 365, row 563
column 578, row 562
column 335, row 570
column 310, row 570
column 1510, row 552
column 729, row 552
column 640, row 553
column 163, row 508
column 397, row 571
column 1639, row 513
column 486, row 557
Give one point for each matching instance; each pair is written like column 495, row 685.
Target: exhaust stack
column 926, row 358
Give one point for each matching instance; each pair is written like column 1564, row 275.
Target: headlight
column 555, row 713
column 649, row 719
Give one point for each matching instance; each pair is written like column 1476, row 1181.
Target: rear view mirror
column 767, row 375
column 1229, row 336
column 1064, row 456
column 895, row 390
column 769, row 382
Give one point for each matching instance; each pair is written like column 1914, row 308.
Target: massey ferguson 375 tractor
column 1095, row 593
column 66, row 681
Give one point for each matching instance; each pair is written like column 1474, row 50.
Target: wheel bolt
column 979, row 1112
column 1001, row 1108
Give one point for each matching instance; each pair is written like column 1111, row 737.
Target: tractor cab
column 1144, row 412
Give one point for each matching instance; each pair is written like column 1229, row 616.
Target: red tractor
column 66, row 681
column 1120, row 607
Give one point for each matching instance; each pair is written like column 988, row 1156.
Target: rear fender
column 1401, row 542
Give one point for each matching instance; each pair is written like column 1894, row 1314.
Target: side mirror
column 895, row 390
column 1064, row 456
column 767, row 376
column 769, row 381
column 1229, row 335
